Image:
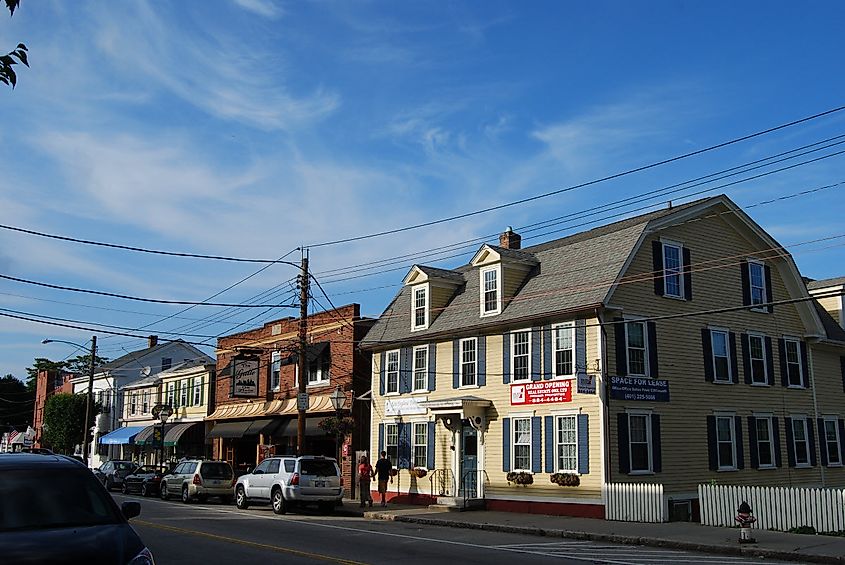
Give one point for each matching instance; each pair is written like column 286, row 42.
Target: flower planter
column 520, row 478
column 565, row 479
column 418, row 472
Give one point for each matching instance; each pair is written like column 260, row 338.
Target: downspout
column 812, row 377
column 604, row 442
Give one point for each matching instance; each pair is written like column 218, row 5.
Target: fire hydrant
column 745, row 519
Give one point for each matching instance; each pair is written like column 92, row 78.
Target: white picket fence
column 634, row 502
column 776, row 508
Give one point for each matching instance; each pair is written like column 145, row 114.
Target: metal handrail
column 473, row 479
column 444, row 481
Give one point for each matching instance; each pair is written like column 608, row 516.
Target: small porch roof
column 457, row 404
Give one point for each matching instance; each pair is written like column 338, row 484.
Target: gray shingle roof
column 574, row 272
column 813, row 285
column 440, row 273
column 831, row 328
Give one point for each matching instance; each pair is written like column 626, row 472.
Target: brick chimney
column 152, row 341
column 509, row 239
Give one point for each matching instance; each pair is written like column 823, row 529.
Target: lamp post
column 162, row 412
column 338, row 402
column 89, row 395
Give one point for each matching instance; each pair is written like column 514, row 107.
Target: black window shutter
column 734, row 363
column 622, row 432
column 687, row 275
column 536, row 444
column 657, row 263
column 404, row 447
column 770, row 362
column 548, row 367
column 752, row 442
column 805, row 366
column 790, row 442
column 405, row 370
column 822, row 442
column 580, row 346
column 432, row 367
column 621, row 349
column 381, row 373
column 811, row 436
column 656, row 454
column 842, row 368
column 380, row 439
column 740, row 447
column 776, row 436
column 746, row 357
column 707, row 347
column 535, row 368
column 583, row 444
column 456, row 363
column 842, row 440
column 767, row 271
column 506, row 444
column 712, row 453
column 652, row 349
column 746, row 284
column 429, row 456
column 784, row 377
column 549, row 440
column 506, row 357
column 481, row 360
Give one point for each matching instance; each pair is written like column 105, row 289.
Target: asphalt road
column 211, row 533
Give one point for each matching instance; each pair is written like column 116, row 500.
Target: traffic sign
column 302, row 401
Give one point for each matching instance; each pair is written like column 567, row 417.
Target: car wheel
column 124, row 489
column 325, row 507
column 145, row 490
column 163, row 494
column 186, row 497
column 278, row 500
column 240, row 499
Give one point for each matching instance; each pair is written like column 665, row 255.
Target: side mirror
column 130, row 509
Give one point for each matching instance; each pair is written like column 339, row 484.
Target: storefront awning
column 262, row 426
column 172, row 436
column 229, row 429
column 145, row 435
column 265, row 409
column 121, row 436
column 289, row 427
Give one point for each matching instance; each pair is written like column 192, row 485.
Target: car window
column 44, row 498
column 190, row 468
column 263, row 466
column 178, row 469
column 274, row 466
column 290, row 464
column 106, row 468
column 320, row 468
column 214, row 470
column 124, row 466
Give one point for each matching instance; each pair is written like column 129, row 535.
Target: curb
column 743, row 551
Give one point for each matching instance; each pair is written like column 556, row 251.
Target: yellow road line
column 275, row 548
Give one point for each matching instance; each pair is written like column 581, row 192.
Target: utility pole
column 88, row 399
column 303, row 362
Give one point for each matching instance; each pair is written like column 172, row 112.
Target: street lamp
column 90, row 395
column 338, row 402
column 162, row 412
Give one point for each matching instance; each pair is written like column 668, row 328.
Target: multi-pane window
column 522, row 444
column 672, row 272
column 521, row 351
column 391, row 442
column 721, row 356
column 420, row 445
column 183, row 397
column 564, row 350
column 198, row 391
column 757, row 279
column 275, row 369
column 831, row 442
column 421, row 368
column 171, row 396
column 133, row 402
column 420, row 308
column 793, row 362
column 145, row 399
column 468, row 362
column 490, row 291
column 726, row 442
column 635, row 336
column 757, row 359
column 765, row 442
column 800, row 441
column 318, row 370
column 566, row 445
column 639, row 442
column 392, row 372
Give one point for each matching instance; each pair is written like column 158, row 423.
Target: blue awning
column 121, row 436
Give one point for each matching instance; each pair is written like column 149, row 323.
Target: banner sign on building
column 541, row 392
column 245, row 376
column 634, row 388
column 404, row 406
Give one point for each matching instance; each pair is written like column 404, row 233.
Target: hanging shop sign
column 586, row 383
column 245, row 376
column 541, row 392
column 633, row 388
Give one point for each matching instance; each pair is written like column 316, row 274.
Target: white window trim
column 387, row 391
column 414, row 368
column 426, row 291
column 557, row 443
column 571, row 325
column 413, row 442
column 646, row 367
column 649, row 440
column 461, row 363
column 497, row 269
column 198, row 390
column 766, row 369
column 835, row 421
column 664, row 243
column 530, row 442
column 757, row 307
column 512, row 337
column 386, row 435
column 768, row 418
column 727, row 333
column 275, row 357
column 797, row 342
column 809, row 463
column 732, row 417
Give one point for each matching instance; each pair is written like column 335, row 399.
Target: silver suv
column 198, row 479
column 292, row 481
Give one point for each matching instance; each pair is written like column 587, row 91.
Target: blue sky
column 249, row 127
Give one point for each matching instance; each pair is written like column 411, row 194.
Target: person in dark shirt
column 383, row 468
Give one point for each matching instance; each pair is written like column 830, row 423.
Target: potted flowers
column 522, row 478
column 418, row 472
column 566, row 479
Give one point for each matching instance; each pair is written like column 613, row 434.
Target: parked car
column 145, row 480
column 199, row 479
column 286, row 482
column 111, row 473
column 52, row 510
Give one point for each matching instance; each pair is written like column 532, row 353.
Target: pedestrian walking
column 383, row 470
column 365, row 476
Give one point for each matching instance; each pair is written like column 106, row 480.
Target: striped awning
column 284, row 407
column 173, row 435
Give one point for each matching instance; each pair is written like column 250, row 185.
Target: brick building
column 47, row 384
column 256, row 389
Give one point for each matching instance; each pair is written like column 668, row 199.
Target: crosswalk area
column 616, row 554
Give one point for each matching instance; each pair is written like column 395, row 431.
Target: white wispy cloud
column 265, row 8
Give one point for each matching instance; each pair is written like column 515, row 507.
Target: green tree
column 17, row 55
column 41, row 364
column 81, row 364
column 64, row 415
column 16, row 403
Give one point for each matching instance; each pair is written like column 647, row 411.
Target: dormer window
column 419, row 311
column 490, row 295
column 758, row 284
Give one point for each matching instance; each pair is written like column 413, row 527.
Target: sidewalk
column 677, row 535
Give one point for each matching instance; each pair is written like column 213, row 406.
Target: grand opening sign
column 541, row 392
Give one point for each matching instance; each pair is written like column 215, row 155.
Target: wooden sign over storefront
column 541, row 392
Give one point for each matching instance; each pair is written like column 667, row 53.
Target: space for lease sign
column 541, row 392
column 632, row 388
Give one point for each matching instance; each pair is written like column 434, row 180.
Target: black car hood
column 112, row 544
